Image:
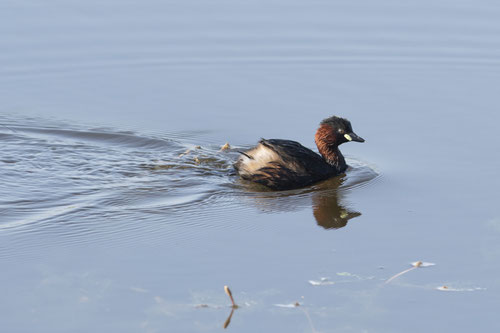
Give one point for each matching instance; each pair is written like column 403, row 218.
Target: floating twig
column 233, row 307
column 414, row 265
column 230, row 294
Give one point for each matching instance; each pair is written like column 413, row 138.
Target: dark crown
column 337, row 122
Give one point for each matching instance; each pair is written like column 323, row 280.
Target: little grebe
column 285, row 164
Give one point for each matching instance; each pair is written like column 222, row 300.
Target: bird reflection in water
column 326, row 197
column 327, row 209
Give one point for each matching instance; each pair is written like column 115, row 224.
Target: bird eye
column 340, row 130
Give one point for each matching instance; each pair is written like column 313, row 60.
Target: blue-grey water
column 119, row 212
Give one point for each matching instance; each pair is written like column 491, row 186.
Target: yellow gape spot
column 348, row 137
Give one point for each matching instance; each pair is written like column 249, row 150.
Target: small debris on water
column 422, row 264
column 290, row 305
column 185, row 153
column 189, row 150
column 351, row 275
column 201, row 306
column 446, row 288
column 225, row 147
column 324, row 281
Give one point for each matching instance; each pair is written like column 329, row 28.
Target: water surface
column 120, row 213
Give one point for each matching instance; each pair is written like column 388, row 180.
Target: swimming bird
column 286, row 164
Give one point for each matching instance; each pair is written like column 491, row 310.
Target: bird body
column 286, row 164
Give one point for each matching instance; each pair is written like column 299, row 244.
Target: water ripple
column 74, row 186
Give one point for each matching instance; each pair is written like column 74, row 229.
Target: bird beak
column 353, row 137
